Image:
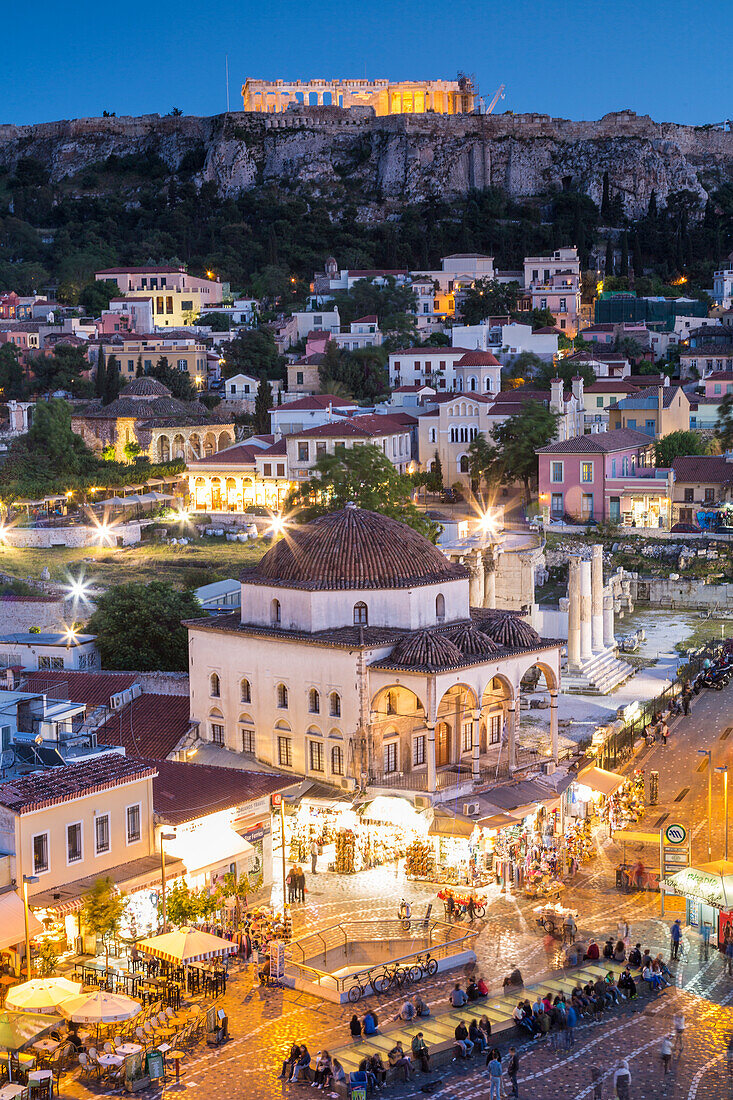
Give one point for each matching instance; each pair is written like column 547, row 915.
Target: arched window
column 391, row 702
column 473, row 384
column 361, row 614
column 214, row 686
column 275, row 613
column 440, row 607
column 454, row 435
column 282, row 696
column 245, row 691
column 463, row 464
column 334, row 704
column 314, row 701
column 337, row 760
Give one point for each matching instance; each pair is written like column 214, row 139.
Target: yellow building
column 183, row 353
column 249, row 473
column 386, row 97
column 173, row 307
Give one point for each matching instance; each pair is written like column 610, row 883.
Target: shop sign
column 675, row 834
column 255, row 837
column 248, row 810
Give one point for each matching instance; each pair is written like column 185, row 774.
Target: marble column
column 586, row 648
column 596, row 564
column 476, row 582
column 511, row 721
column 609, row 638
column 574, row 613
column 489, row 579
column 553, row 725
column 430, row 749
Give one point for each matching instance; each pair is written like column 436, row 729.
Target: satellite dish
column 7, row 759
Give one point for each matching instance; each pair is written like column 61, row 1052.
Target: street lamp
column 724, row 769
column 26, row 880
column 164, row 836
column 708, row 753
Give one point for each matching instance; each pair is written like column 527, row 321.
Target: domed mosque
column 356, row 658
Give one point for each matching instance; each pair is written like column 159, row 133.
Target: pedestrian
column 665, row 733
column 597, row 1080
column 571, row 1019
column 301, row 884
column 679, row 1032
column 569, row 929
column 420, row 1052
column 314, row 857
column 512, row 1070
column 666, row 1053
column 729, row 955
column 622, row 1080
column 494, row 1074
column 686, row 695
column 676, row 935
column 705, row 941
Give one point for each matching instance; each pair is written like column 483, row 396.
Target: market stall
column 455, row 851
column 708, row 893
column 599, row 796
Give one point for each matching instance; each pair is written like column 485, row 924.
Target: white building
column 445, row 369
column 309, row 412
column 240, row 387
column 506, row 341
column 317, row 320
column 49, row 651
column 723, row 285
column 362, row 653
column 553, row 282
column 391, row 434
column 362, row 333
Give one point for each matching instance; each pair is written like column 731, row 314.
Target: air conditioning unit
column 549, row 767
column 471, row 809
column 422, row 802
column 347, row 783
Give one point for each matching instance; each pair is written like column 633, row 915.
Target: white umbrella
column 99, row 1007
column 187, row 945
column 41, row 994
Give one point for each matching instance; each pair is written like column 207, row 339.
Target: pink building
column 608, row 477
column 719, row 383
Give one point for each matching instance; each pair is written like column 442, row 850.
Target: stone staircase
column 599, row 676
column 439, row 1030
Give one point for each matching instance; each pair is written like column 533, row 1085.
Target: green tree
column 263, row 404
column 131, row 451
column 625, row 254
column 95, row 296
column 679, row 443
column 609, row 266
column 138, row 626
column 100, row 375
column 435, row 475
column 182, row 905
column 112, row 380
column 524, row 365
column 520, row 437
column 365, row 476
column 102, row 912
column 484, row 465
column 253, row 352
column 177, row 381
column 724, row 425
column 13, row 384
column 63, row 370
column 49, row 452
column 488, row 298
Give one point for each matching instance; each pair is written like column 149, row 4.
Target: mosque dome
column 511, row 631
column 427, row 650
column 472, row 642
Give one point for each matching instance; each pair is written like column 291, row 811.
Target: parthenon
column 446, row 97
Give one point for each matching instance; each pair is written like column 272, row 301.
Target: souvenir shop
column 602, row 797
column 529, row 851
column 351, row 838
column 455, row 852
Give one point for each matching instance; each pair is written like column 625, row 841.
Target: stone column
column 430, row 749
column 553, row 725
column 586, row 648
column 596, row 563
column 511, row 721
column 476, row 745
column 609, row 638
column 476, row 583
column 574, row 613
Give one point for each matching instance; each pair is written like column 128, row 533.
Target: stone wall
column 49, row 613
column 45, row 537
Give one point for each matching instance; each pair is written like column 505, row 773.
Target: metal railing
column 437, row 937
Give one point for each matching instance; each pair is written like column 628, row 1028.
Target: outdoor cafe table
column 46, row 1046
column 129, row 1048
column 110, row 1059
column 10, row 1091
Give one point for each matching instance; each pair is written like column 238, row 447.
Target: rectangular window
column 418, row 750
column 337, row 760
column 267, row 469
column 148, row 364
column 50, row 662
column 248, row 740
column 134, row 831
column 217, row 733
column 40, row 853
column 614, row 509
column 73, row 842
column 390, row 758
column 586, row 506
column 281, row 469
column 159, row 305
column 153, row 284
column 320, row 449
column 169, row 305
column 613, row 467
column 494, row 729
column 685, row 515
column 717, row 387
column 467, row 737
column 315, row 756
column 556, row 471
column 599, row 402
column 182, row 364
column 302, row 452
column 556, row 505
column 651, row 426
column 586, row 472
column 285, row 752
column 101, row 834
column 563, row 305
column 709, row 496
column 130, row 364
column 299, row 378
column 631, row 423
column 543, row 303
column 689, row 496
column 187, row 306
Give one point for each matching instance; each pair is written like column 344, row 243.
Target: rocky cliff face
column 380, row 162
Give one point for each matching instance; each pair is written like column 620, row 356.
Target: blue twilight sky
column 571, row 59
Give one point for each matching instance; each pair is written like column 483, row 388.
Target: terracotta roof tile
column 93, row 688
column 183, row 791
column 150, row 726
column 599, row 442
column 711, row 468
column 55, row 785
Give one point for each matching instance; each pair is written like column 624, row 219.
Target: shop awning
column 313, row 791
column 446, row 823
column 12, row 921
column 711, row 883
column 128, row 877
column 497, row 821
column 599, row 780
column 207, row 848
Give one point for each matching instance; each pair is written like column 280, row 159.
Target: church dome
column 427, row 650
column 145, row 387
column 353, row 549
column 472, row 642
column 511, row 631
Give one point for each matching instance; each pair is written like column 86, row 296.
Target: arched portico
column 539, row 678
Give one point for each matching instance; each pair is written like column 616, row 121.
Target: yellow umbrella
column 186, row 946
column 41, row 994
column 99, row 1007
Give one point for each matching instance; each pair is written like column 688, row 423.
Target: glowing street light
column 277, row 526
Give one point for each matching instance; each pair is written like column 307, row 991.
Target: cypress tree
column 139, row 372
column 636, row 256
column 625, row 254
column 606, row 196
column 100, row 378
column 609, row 258
column 112, row 381
column 652, row 208
column 263, row 404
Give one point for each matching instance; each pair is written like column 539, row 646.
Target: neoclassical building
column 165, row 428
column 237, row 477
column 385, row 97
column 357, row 659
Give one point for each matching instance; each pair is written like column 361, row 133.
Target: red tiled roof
column 55, row 785
column 720, row 376
column 183, row 791
column 478, row 359
column 708, row 468
column 433, row 351
column 149, row 267
column 373, row 272
column 718, row 351
column 93, row 688
column 611, row 385
column 149, row 727
column 241, row 454
column 317, row 401
column 370, row 319
column 279, row 448
column 368, row 425
column 619, row 439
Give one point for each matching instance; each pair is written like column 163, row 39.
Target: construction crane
column 499, row 94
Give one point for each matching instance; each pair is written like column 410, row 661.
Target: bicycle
column 419, row 968
column 359, row 988
column 392, row 977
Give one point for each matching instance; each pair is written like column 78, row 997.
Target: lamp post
column 724, row 770
column 164, row 836
column 708, row 753
column 28, row 967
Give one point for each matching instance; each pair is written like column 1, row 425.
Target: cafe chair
column 40, row 1084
